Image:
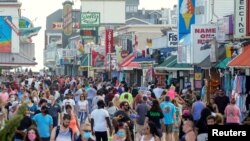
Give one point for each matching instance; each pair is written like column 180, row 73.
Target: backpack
column 58, row 130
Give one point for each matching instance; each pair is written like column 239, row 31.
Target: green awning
column 223, row 64
column 85, row 60
column 171, row 64
column 167, row 61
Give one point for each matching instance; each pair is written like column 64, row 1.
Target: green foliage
column 8, row 132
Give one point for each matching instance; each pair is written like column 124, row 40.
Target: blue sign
column 186, row 13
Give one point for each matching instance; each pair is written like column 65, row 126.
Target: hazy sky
column 38, row 10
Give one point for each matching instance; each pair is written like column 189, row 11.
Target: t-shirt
column 99, row 116
column 83, row 105
column 141, row 110
column 43, row 123
column 155, row 117
column 25, row 123
column 221, row 102
column 232, row 113
column 70, row 102
column 168, row 110
column 78, row 93
column 54, row 110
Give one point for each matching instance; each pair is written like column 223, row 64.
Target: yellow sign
column 197, row 76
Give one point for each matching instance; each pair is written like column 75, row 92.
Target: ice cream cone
column 187, row 17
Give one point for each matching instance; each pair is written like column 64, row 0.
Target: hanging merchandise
column 240, row 84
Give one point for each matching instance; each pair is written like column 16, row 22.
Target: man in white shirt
column 158, row 91
column 68, row 101
column 99, row 121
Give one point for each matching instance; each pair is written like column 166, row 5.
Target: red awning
column 127, row 60
column 242, row 60
column 133, row 64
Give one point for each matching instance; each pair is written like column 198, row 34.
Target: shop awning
column 131, row 66
column 223, row 64
column 144, row 60
column 242, row 60
column 15, row 60
column 128, row 64
column 127, row 60
column 85, row 60
column 171, row 64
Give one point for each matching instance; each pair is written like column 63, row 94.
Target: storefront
column 179, row 74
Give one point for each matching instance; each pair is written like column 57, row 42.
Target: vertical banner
column 67, row 18
column 109, row 47
column 5, row 35
column 248, row 17
column 240, row 18
column 186, row 16
column 213, row 51
column 201, row 41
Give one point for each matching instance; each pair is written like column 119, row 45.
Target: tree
column 8, row 132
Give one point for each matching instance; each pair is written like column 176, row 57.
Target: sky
column 38, row 10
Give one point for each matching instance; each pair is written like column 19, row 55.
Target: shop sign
column 200, row 42
column 59, row 25
column 90, row 19
column 248, row 18
column 67, row 18
column 109, row 45
column 240, row 19
column 172, row 39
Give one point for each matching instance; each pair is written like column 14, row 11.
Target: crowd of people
column 64, row 108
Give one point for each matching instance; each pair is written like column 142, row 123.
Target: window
column 135, row 9
column 131, row 8
column 127, row 8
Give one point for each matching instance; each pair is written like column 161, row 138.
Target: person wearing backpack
column 63, row 132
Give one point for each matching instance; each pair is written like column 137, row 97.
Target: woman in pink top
column 171, row 92
column 232, row 113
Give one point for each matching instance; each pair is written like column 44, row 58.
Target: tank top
column 152, row 139
column 64, row 136
column 73, row 124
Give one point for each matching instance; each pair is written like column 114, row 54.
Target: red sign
column 59, row 25
column 109, row 45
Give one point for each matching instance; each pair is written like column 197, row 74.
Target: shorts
column 168, row 128
column 139, row 128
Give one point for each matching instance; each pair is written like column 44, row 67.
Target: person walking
column 99, row 121
column 44, row 123
column 169, row 111
column 63, row 132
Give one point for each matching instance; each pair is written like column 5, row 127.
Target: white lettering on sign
column 240, row 18
column 172, row 39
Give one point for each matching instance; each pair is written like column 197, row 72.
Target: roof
column 206, row 63
column 223, row 63
column 242, row 60
column 148, row 16
column 14, row 59
column 143, row 60
column 171, row 64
